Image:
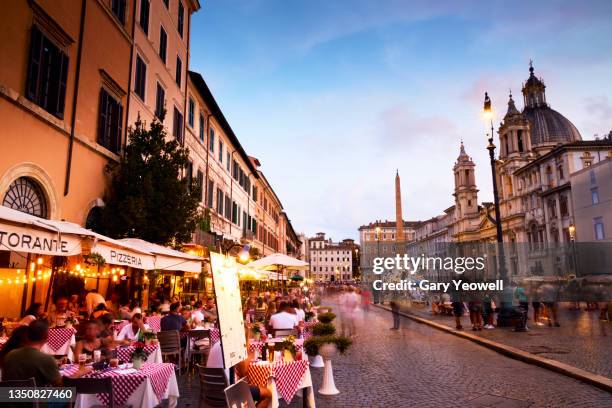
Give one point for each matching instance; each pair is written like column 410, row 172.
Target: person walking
column 395, row 309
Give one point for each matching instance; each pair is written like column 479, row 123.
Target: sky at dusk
column 333, row 96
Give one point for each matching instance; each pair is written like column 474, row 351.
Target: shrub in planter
column 312, row 344
column 323, row 329
column 326, row 317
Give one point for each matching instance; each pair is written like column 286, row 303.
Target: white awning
column 167, row 258
column 22, row 232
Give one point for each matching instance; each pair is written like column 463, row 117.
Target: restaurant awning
column 23, row 232
column 167, row 258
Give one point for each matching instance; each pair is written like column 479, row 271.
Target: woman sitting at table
column 34, row 312
column 262, row 396
column 107, row 330
column 18, row 339
column 130, row 332
column 90, row 341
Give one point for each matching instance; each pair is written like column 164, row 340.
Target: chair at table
column 260, row 315
column 170, row 345
column 194, row 336
column 30, row 382
column 213, row 383
column 90, row 386
column 285, row 332
column 239, row 395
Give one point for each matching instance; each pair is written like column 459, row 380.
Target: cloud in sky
column 333, row 96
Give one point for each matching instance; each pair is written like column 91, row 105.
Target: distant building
column 592, row 198
column 333, row 261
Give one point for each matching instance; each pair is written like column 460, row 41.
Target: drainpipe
column 75, row 97
column 129, row 88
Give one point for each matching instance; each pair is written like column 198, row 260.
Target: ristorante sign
column 22, row 239
column 124, row 257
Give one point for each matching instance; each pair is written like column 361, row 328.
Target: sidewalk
column 582, row 341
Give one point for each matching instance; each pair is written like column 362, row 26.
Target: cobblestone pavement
column 419, row 366
column 582, row 341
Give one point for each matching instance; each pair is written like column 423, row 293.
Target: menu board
column 229, row 309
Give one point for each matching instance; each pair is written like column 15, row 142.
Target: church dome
column 547, row 125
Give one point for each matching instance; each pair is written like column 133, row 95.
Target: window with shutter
column 181, row 18
column 160, row 101
column 110, row 122
column 178, row 125
column 144, row 15
column 47, row 74
column 163, row 43
column 179, row 70
column 209, row 198
column 201, row 184
column 118, row 8
column 140, row 80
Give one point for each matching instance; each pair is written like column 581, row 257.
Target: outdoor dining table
column 258, row 345
column 152, row 351
column 60, row 342
column 283, row 379
column 154, row 323
column 143, row 388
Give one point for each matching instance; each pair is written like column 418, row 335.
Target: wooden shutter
column 61, row 92
column 102, row 118
column 34, row 64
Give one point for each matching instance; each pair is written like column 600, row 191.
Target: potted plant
column 325, row 343
column 138, row 356
column 256, row 331
column 69, row 322
column 288, row 347
column 149, row 337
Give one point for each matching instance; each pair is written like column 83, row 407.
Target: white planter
column 316, row 361
column 328, row 386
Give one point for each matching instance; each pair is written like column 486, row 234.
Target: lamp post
column 572, row 234
column 376, row 297
column 506, row 311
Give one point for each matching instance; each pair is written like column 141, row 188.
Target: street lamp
column 375, row 296
column 572, row 233
column 506, row 311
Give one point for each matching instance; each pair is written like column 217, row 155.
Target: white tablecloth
column 142, row 397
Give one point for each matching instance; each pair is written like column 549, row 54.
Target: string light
column 39, row 260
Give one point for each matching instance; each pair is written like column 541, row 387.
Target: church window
column 519, row 138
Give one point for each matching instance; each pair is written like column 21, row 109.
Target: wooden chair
column 89, row 386
column 285, row 332
column 170, row 345
column 213, row 383
column 30, row 382
column 239, row 395
column 202, row 350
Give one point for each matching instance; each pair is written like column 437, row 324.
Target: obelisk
column 399, row 221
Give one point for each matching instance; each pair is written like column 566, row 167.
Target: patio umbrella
column 297, row 278
column 278, row 262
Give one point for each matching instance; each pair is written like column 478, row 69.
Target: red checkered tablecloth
column 154, row 323
column 59, row 337
column 215, row 335
column 257, row 345
column 287, row 375
column 125, row 353
column 125, row 384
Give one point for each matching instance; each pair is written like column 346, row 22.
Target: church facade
column 555, row 190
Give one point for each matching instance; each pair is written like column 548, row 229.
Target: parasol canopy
column 278, row 262
column 297, row 278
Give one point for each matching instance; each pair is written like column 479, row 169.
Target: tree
column 148, row 197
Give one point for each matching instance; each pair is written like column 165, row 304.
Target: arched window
column 94, row 219
column 26, row 195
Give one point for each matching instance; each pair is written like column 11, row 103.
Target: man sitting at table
column 58, row 316
column 175, row 321
column 262, row 396
column 28, row 361
column 130, row 332
column 283, row 320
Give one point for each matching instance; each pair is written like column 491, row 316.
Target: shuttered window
column 144, row 15
column 47, row 74
column 141, row 76
column 160, row 102
column 178, row 125
column 109, row 122
column 163, row 43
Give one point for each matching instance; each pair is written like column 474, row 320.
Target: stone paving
column 419, row 366
column 582, row 341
